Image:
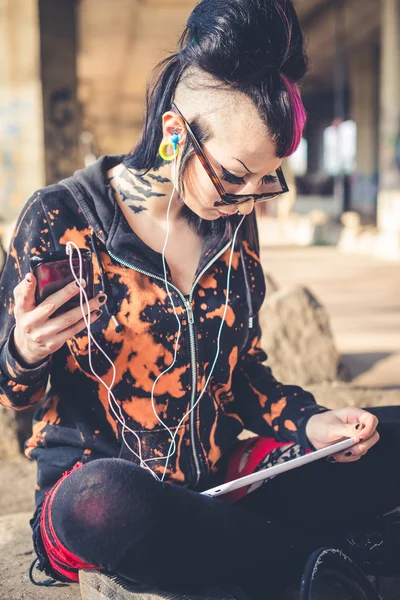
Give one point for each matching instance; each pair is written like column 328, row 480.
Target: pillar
column 315, row 145
column 364, row 82
column 58, row 48
column 21, row 118
column 39, row 112
column 389, row 194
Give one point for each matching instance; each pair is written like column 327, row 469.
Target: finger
column 350, row 415
column 351, row 422
column 340, row 430
column 363, row 447
column 368, row 424
column 62, row 296
column 357, row 451
column 24, row 295
column 59, row 340
column 69, row 319
column 346, row 459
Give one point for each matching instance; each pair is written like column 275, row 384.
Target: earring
column 174, row 141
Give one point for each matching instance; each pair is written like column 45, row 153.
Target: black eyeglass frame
column 229, row 199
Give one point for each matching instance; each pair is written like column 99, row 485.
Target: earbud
column 175, row 140
column 118, row 326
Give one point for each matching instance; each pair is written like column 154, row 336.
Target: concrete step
column 99, row 586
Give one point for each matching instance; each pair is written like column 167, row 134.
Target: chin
column 207, row 214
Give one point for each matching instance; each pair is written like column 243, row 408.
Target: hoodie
column 137, row 330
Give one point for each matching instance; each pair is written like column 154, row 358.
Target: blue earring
column 175, row 141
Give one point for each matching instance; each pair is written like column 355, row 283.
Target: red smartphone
column 53, row 272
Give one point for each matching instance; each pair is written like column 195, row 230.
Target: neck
column 150, row 192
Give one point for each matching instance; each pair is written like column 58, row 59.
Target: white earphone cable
column 111, row 398
column 86, row 318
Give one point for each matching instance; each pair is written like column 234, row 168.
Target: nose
column 245, row 208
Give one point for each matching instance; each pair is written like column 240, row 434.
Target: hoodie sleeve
column 267, row 407
column 21, row 385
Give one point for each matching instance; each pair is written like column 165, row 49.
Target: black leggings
column 114, row 515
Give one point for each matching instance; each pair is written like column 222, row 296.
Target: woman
column 178, row 285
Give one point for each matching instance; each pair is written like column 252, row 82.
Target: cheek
column 200, row 194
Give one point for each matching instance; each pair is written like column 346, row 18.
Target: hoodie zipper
column 192, row 342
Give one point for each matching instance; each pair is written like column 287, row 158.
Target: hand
column 36, row 336
column 326, row 428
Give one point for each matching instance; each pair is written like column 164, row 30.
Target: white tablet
column 281, row 468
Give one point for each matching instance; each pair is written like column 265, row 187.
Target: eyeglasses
column 275, row 186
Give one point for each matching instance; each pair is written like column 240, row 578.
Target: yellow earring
column 165, row 156
column 174, row 141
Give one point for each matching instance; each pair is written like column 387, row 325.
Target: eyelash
column 270, row 179
column 230, row 178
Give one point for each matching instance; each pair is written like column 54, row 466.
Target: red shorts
column 250, row 456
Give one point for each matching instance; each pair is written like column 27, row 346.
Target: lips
column 225, row 215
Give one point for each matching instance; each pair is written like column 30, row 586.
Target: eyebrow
column 248, row 170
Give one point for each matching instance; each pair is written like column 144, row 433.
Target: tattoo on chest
column 134, row 190
column 159, row 178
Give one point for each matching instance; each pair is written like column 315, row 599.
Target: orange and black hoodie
column 74, row 422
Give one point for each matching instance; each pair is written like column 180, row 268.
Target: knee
column 98, row 505
column 100, row 496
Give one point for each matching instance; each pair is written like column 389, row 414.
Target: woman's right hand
column 36, row 336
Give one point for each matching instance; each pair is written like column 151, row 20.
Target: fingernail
column 98, row 313
column 331, row 459
column 348, row 453
column 102, row 298
column 82, row 283
column 357, row 426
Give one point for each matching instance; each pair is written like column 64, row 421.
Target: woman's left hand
column 326, row 428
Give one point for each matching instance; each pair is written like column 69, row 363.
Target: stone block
column 17, row 485
column 270, row 283
column 297, row 338
column 15, row 428
column 98, row 586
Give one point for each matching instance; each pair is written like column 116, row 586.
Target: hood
column 94, row 195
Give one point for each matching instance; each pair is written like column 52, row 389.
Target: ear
column 172, row 123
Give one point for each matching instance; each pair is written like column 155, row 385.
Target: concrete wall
column 21, row 121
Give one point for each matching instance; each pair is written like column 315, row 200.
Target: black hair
column 253, row 46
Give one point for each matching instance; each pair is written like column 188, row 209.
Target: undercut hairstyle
column 255, row 47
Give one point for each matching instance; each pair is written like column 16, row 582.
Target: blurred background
column 72, row 84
